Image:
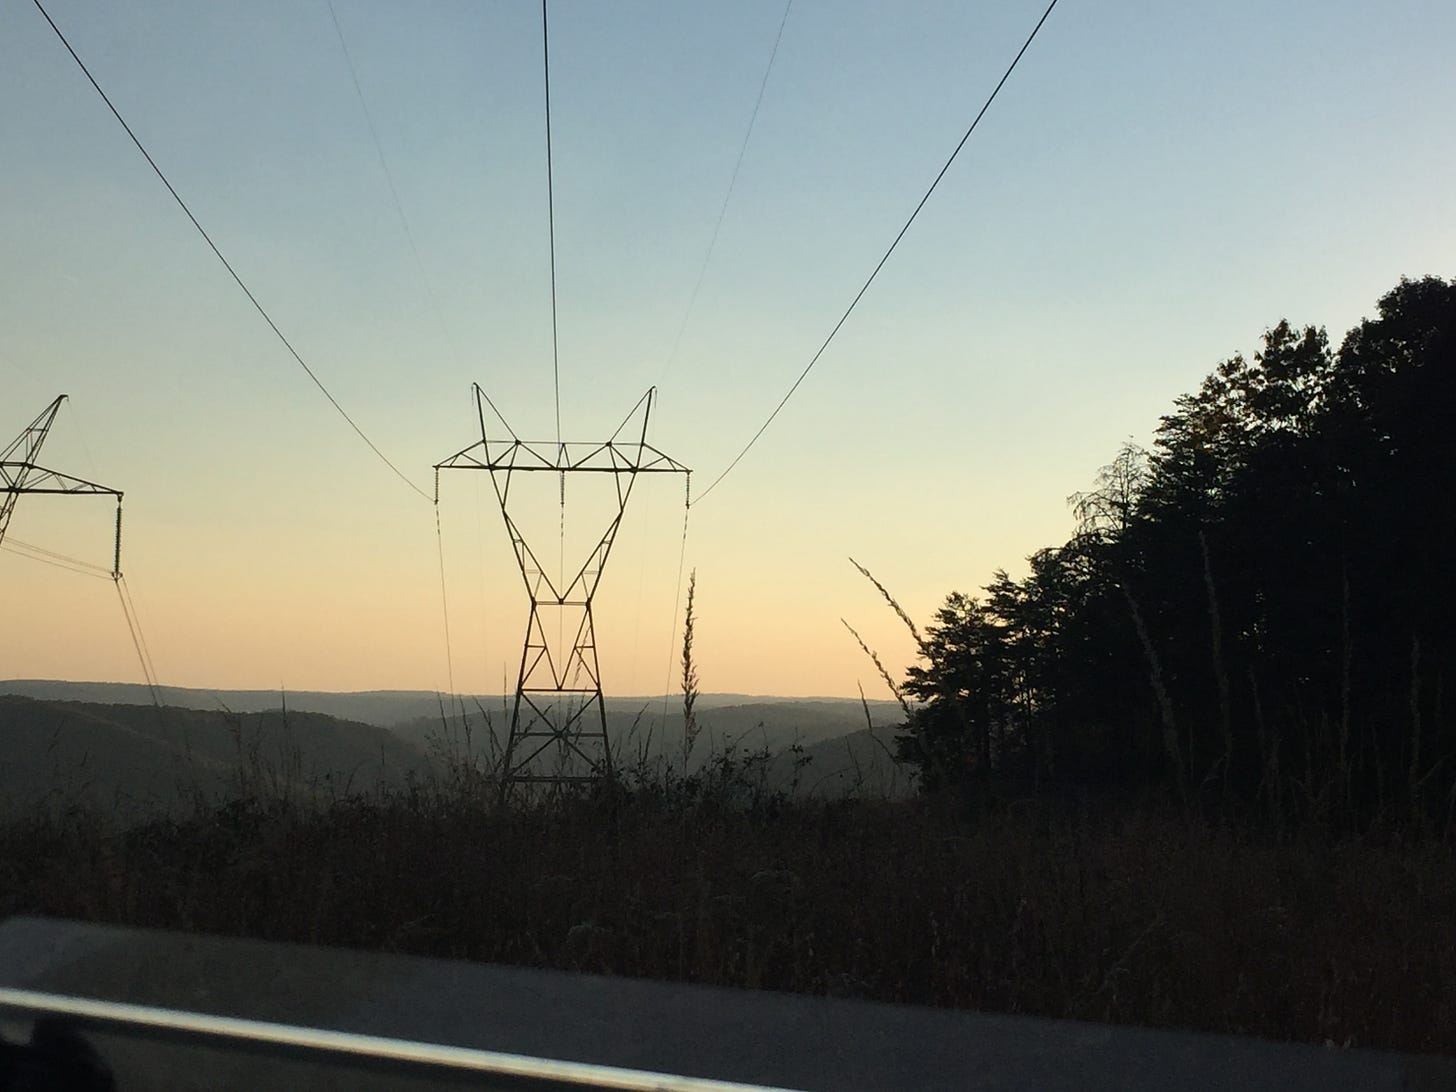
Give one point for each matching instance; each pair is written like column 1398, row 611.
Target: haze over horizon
column 1153, row 189
column 19, row 685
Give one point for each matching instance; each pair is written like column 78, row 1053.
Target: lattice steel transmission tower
column 19, row 473
column 558, row 697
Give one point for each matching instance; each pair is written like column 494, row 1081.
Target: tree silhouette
column 1254, row 614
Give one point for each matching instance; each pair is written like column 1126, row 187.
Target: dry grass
column 1129, row 918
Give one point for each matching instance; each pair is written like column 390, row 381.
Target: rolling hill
column 123, row 754
column 135, row 758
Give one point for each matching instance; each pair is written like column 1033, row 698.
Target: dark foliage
column 1121, row 915
column 1255, row 615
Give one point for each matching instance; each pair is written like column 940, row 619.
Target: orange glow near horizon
column 1052, row 300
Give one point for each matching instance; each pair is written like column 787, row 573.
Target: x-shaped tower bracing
column 558, row 699
column 19, row 473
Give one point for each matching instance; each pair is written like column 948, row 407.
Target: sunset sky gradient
column 1157, row 185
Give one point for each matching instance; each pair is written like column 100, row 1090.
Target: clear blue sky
column 1157, row 184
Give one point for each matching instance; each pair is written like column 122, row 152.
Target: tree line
column 1254, row 614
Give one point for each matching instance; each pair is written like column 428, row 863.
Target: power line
column 551, row 225
column 445, row 603
column 50, row 557
column 214, row 248
column 881, row 264
column 732, row 181
column 444, row 597
column 138, row 640
column 551, row 229
column 389, row 180
column 29, row 548
column 141, row 637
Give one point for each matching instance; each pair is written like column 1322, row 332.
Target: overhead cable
column 551, row 224
column 728, row 196
column 881, row 264
column 389, row 180
column 445, row 597
column 50, row 557
column 139, row 642
column 219, row 254
column 551, row 230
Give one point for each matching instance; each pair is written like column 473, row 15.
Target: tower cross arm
column 650, row 460
column 569, row 456
column 16, row 477
column 500, row 455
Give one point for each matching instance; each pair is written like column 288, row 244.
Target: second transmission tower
column 20, row 473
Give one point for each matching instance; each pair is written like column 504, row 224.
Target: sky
column 1156, row 186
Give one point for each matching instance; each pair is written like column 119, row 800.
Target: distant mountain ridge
column 134, row 758
column 387, row 708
